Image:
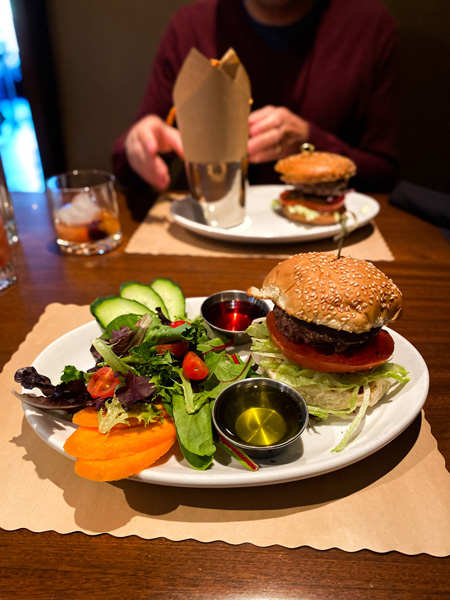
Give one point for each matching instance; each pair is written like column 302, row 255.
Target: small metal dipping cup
column 228, row 314
column 260, row 415
column 219, row 188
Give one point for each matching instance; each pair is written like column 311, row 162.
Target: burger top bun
column 315, row 167
column 342, row 293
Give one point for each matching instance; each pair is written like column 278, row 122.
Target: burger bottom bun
column 315, row 395
column 326, row 218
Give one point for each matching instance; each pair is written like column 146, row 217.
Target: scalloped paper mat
column 381, row 503
column 158, row 234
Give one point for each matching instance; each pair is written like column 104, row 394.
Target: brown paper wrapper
column 381, row 503
column 212, row 104
column 158, row 234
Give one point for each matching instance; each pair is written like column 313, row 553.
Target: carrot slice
column 90, row 444
column 114, row 469
column 86, row 417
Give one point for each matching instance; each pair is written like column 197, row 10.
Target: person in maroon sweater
column 321, row 71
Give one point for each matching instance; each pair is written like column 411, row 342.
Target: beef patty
column 328, row 340
column 323, row 188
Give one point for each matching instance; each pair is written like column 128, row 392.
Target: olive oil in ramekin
column 260, row 417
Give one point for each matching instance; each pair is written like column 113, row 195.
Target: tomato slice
column 194, row 367
column 177, row 323
column 375, row 353
column 178, row 349
column 337, row 203
column 102, row 383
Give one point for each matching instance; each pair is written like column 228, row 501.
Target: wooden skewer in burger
column 320, row 181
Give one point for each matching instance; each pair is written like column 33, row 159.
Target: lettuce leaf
column 115, row 413
column 356, row 421
column 194, row 430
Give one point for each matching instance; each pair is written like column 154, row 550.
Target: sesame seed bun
column 345, row 294
column 315, row 167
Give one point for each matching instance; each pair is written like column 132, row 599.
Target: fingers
column 265, row 146
column 264, row 119
column 259, row 114
column 275, row 132
column 266, row 128
column 146, row 139
column 171, row 141
column 158, row 173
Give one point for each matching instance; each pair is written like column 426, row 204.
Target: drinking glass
column 7, row 271
column 9, row 221
column 85, row 211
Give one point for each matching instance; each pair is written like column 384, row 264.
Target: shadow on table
column 299, row 495
column 127, row 499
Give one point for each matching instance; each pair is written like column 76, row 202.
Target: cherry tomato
column 102, row 383
column 319, row 206
column 177, row 323
column 194, row 367
column 178, row 349
column 371, row 355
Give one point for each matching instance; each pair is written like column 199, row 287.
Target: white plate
column 309, row 457
column 263, row 224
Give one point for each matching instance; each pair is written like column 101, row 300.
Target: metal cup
column 7, row 210
column 219, row 188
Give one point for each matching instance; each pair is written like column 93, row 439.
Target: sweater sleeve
column 376, row 152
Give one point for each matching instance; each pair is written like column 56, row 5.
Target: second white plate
column 263, row 224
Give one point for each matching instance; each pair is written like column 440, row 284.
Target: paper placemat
column 397, row 499
column 158, row 234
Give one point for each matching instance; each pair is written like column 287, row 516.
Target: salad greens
column 151, row 378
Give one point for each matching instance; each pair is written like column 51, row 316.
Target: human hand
column 275, row 132
column 145, row 141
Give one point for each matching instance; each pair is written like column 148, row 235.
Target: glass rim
column 50, row 181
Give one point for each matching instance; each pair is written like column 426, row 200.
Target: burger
column 320, row 183
column 325, row 334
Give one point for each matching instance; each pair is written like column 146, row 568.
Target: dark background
column 85, row 64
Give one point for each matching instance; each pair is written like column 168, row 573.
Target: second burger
column 320, row 182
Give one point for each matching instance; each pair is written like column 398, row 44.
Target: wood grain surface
column 49, row 565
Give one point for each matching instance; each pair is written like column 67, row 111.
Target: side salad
column 151, row 364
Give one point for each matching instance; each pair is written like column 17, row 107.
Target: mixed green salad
column 149, row 355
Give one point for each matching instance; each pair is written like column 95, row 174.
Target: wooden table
column 50, row 565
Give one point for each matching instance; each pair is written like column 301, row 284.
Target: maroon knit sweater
column 340, row 75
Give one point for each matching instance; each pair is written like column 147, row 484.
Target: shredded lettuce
column 300, row 209
column 356, row 421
